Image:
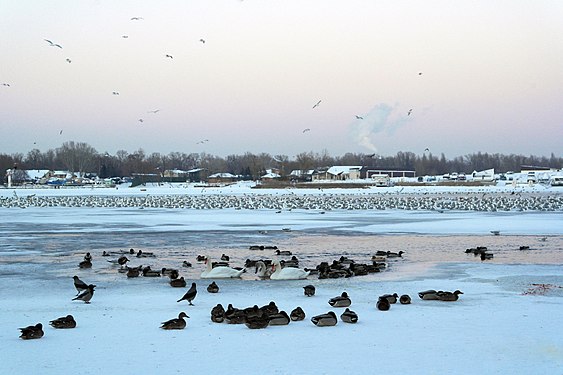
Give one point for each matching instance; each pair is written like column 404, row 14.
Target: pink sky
column 492, row 78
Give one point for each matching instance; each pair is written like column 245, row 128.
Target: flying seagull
column 155, row 111
column 359, row 117
column 61, row 132
column 409, row 112
column 125, row 36
column 6, row 84
column 141, row 120
column 136, row 18
column 419, row 73
column 202, row 40
column 115, row 93
column 426, row 149
column 53, row 44
column 317, row 104
column 306, row 130
column 68, row 60
column 170, row 56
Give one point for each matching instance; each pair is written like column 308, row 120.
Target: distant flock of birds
column 286, row 202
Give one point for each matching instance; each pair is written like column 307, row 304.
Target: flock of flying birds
column 169, row 56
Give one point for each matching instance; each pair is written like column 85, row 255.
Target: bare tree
column 77, row 157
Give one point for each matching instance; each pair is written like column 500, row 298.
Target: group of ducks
column 253, row 317
column 36, row 331
column 85, row 293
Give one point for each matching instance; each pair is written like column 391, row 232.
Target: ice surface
column 495, row 327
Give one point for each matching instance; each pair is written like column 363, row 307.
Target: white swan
column 262, row 271
column 287, row 273
column 220, row 272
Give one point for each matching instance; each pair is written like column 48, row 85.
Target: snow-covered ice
column 502, row 323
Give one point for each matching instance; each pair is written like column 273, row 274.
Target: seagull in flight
column 419, row 73
column 359, row 117
column 141, row 120
column 306, row 130
column 317, row 104
column 68, row 60
column 125, row 36
column 115, row 93
column 6, row 84
column 426, row 149
column 170, row 56
column 136, row 18
column 155, row 111
column 202, row 40
column 53, row 44
column 409, row 112
column 61, row 132
column 202, row 141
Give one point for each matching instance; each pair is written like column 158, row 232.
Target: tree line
column 83, row 158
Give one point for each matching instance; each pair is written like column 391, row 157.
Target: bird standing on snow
column 79, row 285
column 190, row 294
column 86, row 295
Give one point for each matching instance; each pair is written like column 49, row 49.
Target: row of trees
column 81, row 157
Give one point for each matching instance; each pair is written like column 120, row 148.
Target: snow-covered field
column 507, row 320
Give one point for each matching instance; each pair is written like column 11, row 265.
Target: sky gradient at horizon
column 492, row 77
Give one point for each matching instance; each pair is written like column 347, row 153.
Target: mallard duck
column 325, row 320
column 449, row 296
column 383, row 304
column 392, row 298
column 133, row 272
column 32, row 332
column 430, row 294
column 258, row 320
column 349, row 316
column 270, row 309
column 297, row 314
column 309, row 290
column 213, row 288
column 63, row 322
column 218, row 314
column 279, row 319
column 283, row 252
column 176, row 323
column 405, row 299
column 341, row 301
column 178, row 283
column 234, row 315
